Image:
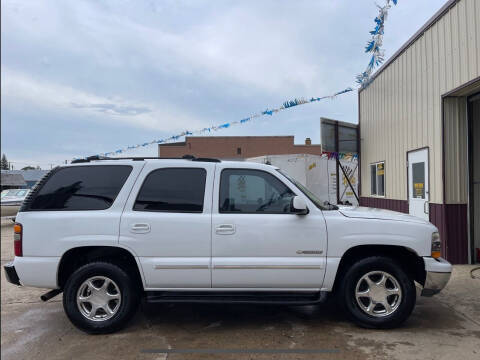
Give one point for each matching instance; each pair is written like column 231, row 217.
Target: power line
column 35, row 163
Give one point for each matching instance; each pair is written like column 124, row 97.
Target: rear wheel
column 100, row 298
column 377, row 293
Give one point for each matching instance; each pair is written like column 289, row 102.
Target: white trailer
column 319, row 175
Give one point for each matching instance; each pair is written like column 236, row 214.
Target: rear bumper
column 37, row 271
column 11, row 274
column 438, row 272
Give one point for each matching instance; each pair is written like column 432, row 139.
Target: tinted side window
column 81, row 188
column 253, row 191
column 172, row 189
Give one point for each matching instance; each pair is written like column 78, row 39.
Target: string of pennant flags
column 340, row 155
column 348, row 156
column 207, row 130
column 374, row 46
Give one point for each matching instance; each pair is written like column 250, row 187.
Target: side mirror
column 298, row 206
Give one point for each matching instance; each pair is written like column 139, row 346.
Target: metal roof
column 12, row 180
column 28, row 175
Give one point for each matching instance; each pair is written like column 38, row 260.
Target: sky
column 83, row 77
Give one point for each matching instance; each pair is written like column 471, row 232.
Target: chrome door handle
column 225, row 229
column 142, row 228
column 425, row 207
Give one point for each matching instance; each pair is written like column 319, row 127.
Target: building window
column 418, row 179
column 239, row 151
column 377, row 179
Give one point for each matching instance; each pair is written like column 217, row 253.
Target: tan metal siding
column 456, row 165
column 401, row 109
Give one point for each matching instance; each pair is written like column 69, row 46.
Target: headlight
column 436, row 245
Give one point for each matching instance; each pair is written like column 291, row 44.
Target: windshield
column 14, row 192
column 313, row 198
column 22, row 192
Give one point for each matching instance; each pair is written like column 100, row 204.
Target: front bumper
column 438, row 272
column 11, row 274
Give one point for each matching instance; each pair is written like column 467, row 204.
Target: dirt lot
column 443, row 327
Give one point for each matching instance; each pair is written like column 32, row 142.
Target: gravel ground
column 446, row 326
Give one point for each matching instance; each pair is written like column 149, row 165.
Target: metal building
column 419, row 122
column 11, row 181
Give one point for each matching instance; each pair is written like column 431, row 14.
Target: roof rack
column 184, row 157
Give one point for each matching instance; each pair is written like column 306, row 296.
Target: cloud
column 240, row 44
column 21, row 88
column 114, row 109
column 139, row 69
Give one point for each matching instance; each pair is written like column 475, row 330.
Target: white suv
column 110, row 232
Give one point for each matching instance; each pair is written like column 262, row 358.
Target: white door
column 167, row 224
column 257, row 242
column 418, row 191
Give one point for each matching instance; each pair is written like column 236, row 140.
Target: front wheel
column 100, row 298
column 377, row 293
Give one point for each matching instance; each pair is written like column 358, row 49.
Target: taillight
column 17, row 239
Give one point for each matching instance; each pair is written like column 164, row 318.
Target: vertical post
column 359, row 149
column 338, row 169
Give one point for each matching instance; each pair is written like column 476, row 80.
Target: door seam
column 211, row 225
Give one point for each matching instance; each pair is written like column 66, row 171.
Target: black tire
column 129, row 295
column 352, row 308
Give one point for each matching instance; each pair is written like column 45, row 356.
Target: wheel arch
column 75, row 257
column 410, row 261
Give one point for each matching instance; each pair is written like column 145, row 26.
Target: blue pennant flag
column 370, row 46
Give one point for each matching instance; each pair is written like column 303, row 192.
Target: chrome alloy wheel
column 98, row 298
column 378, row 293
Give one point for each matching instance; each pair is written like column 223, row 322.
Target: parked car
column 11, row 199
column 110, row 232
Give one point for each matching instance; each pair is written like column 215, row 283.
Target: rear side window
column 81, row 188
column 173, row 190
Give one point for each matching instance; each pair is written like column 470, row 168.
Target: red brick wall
column 225, row 147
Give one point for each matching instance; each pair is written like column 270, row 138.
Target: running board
column 244, row 297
